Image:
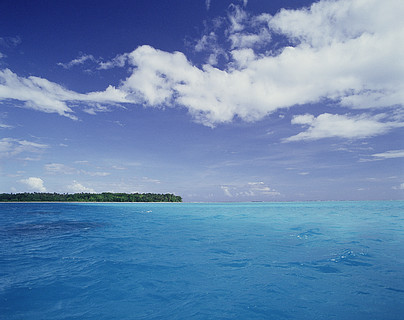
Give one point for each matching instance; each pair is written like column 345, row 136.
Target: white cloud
column 59, row 168
column 78, row 61
column 10, row 147
column 35, row 184
column 347, row 52
column 46, row 96
column 340, row 126
column 226, row 191
column 260, row 188
column 119, row 61
column 400, row 187
column 389, row 154
column 36, row 93
column 96, row 173
column 355, row 65
column 248, row 40
column 5, row 126
column 77, row 187
column 150, row 180
column 10, row 42
column 251, row 189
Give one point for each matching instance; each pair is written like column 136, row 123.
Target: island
column 88, row 197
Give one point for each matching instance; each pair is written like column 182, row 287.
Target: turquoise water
column 311, row 260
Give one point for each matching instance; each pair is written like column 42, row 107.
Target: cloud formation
column 345, row 52
column 392, row 154
column 10, row 147
column 77, row 187
column 46, row 96
column 342, row 51
column 78, row 61
column 328, row 125
column 251, row 189
column 34, row 183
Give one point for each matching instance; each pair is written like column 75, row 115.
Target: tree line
column 88, row 197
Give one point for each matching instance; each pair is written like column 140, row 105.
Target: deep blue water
column 309, row 260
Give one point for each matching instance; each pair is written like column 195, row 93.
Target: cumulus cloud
column 329, row 125
column 355, row 64
column 77, row 187
column 34, row 183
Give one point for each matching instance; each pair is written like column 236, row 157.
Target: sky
column 281, row 100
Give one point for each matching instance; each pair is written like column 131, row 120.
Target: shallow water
column 309, row 260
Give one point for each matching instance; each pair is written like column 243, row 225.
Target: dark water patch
column 236, row 263
column 52, row 227
column 312, row 232
column 327, row 269
column 395, row 290
column 221, row 251
column 362, row 292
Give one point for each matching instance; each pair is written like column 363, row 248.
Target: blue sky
column 210, row 100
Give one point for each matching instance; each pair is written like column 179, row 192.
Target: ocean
column 297, row 260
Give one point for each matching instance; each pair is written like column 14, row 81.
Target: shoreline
column 200, row 202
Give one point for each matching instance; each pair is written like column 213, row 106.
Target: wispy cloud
column 392, row 154
column 119, row 61
column 10, row 42
column 250, row 189
column 78, row 61
column 10, row 147
column 150, row 180
column 46, row 96
column 341, row 126
column 400, row 187
column 59, row 168
column 5, row 126
column 226, row 191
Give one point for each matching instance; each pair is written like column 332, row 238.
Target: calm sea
column 309, row 260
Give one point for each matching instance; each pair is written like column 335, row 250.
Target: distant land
column 88, row 197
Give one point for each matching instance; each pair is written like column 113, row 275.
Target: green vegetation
column 89, row 197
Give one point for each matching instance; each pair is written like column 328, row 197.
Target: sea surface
column 307, row 260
